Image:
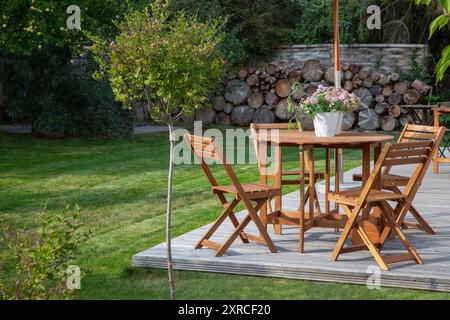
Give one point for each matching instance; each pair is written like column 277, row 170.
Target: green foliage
column 251, row 28
column 171, row 64
column 59, row 98
column 445, row 120
column 39, row 259
column 209, row 11
column 417, row 70
column 262, row 26
column 315, row 24
column 441, row 21
column 325, row 99
column 26, row 25
column 41, row 85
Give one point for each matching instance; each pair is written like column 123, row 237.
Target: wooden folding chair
column 354, row 201
column 206, row 149
column 393, row 181
column 255, row 131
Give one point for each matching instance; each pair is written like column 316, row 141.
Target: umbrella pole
column 337, row 83
column 336, row 45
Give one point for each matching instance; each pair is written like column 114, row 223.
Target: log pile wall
column 260, row 95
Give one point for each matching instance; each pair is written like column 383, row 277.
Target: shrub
column 34, row 263
column 41, row 85
column 59, row 98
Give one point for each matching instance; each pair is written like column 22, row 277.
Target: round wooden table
column 306, row 141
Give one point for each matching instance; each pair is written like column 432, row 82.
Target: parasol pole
column 337, row 83
column 337, row 73
column 336, row 45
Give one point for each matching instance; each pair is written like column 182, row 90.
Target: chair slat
column 200, row 139
column 411, row 145
column 403, row 161
column 408, row 153
column 419, row 135
column 202, row 146
column 414, row 127
column 205, row 154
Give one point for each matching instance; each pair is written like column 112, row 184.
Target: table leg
column 436, row 155
column 277, row 184
column 301, row 210
column 312, row 181
column 365, row 174
column 262, row 156
column 378, row 183
column 336, row 175
column 327, row 180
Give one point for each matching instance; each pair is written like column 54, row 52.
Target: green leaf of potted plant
column 327, row 107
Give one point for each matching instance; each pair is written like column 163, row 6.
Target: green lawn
column 121, row 185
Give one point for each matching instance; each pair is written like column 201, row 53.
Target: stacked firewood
column 260, row 95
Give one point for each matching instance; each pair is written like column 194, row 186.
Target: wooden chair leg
column 235, row 223
column 233, row 236
column 253, row 212
column 225, row 213
column 396, row 227
column 352, row 216
column 385, row 234
column 422, row 223
column 316, row 201
column 301, row 225
column 399, row 213
column 373, row 250
column 233, row 219
column 277, row 228
column 251, row 216
column 306, row 195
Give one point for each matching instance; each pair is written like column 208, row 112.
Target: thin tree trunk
column 169, row 215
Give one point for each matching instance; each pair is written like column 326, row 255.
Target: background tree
column 30, row 24
column 440, row 22
column 253, row 28
column 170, row 63
column 43, row 85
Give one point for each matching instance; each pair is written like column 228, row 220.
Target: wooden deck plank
column 254, row 259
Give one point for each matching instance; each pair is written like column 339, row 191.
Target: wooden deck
column 433, row 200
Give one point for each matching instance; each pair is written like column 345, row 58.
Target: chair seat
column 350, row 197
column 253, row 190
column 387, row 179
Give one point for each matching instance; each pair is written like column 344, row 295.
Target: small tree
column 170, row 64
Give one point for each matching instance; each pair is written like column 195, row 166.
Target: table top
column 295, row 137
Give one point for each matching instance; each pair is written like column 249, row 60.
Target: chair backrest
column 406, row 153
column 206, row 148
column 256, row 127
column 412, row 132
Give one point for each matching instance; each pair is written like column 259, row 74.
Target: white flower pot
column 328, row 124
